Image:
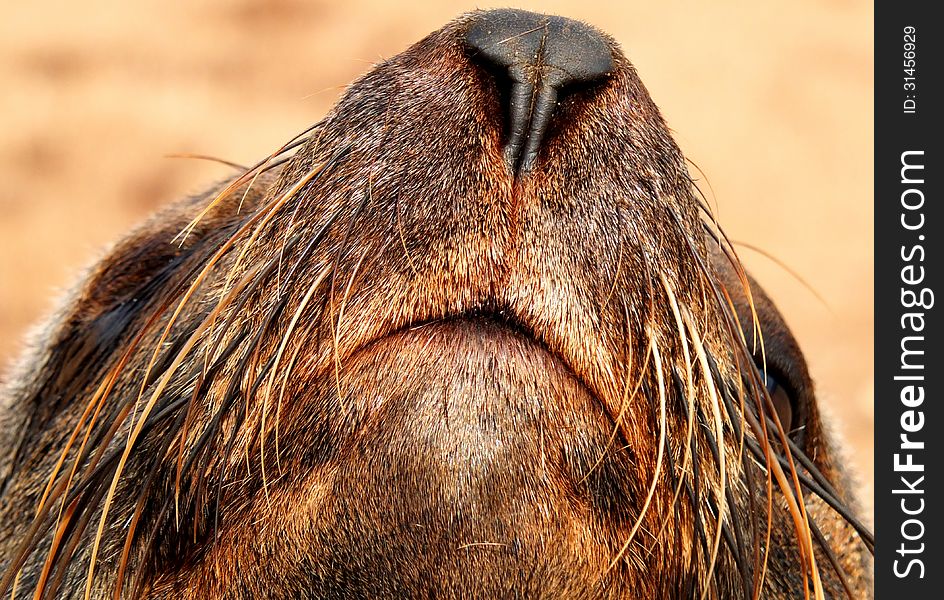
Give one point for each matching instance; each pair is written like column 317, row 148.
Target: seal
column 473, row 335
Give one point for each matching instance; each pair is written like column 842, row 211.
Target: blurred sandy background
column 773, row 102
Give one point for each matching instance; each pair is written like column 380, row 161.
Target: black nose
column 538, row 59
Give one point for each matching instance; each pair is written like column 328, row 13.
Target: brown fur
column 378, row 365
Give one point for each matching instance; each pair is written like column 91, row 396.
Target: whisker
column 719, row 431
column 399, row 222
column 832, row 559
column 278, row 359
column 249, row 176
column 627, row 395
column 342, row 248
column 792, row 494
column 162, row 384
column 657, row 362
column 830, row 498
column 688, row 389
column 803, row 282
column 206, row 157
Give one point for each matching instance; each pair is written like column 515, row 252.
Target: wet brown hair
column 394, row 359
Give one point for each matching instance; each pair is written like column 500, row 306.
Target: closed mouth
column 483, row 321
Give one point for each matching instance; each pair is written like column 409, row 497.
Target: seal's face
column 473, row 335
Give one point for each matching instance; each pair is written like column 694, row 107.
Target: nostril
column 575, row 88
column 500, row 79
column 535, row 60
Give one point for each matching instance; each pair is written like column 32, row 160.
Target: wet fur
column 376, row 365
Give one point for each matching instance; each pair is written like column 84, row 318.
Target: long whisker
column 809, row 287
column 719, row 432
column 249, row 176
column 342, row 248
column 829, row 497
column 792, row 493
column 278, row 359
column 136, row 432
column 657, row 362
column 206, row 157
column 627, row 396
column 688, row 391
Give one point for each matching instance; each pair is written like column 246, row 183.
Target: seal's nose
column 536, row 60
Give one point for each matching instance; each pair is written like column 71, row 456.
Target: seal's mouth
column 480, row 325
column 505, row 330
column 484, row 317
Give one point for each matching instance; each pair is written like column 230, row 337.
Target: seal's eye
column 782, row 400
